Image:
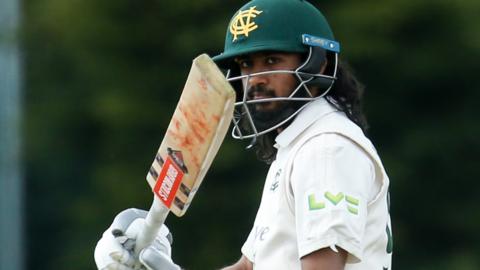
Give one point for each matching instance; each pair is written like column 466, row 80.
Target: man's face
column 269, row 85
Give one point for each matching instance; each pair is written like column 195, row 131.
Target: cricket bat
column 193, row 137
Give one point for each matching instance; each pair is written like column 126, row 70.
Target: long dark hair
column 346, row 95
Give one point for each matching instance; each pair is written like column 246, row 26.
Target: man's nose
column 255, row 80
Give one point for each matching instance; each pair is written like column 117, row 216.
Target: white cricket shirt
column 326, row 188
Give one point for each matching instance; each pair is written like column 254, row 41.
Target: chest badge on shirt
column 261, row 232
column 276, row 181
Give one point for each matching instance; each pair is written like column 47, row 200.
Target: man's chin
column 266, row 119
column 264, row 109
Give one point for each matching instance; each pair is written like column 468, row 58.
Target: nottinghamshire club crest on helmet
column 243, row 24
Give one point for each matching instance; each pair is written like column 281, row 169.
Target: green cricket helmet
column 293, row 26
column 275, row 25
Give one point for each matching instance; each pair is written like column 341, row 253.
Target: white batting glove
column 114, row 251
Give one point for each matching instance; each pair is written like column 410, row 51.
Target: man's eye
column 244, row 64
column 271, row 60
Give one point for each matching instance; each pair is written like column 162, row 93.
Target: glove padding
column 114, row 251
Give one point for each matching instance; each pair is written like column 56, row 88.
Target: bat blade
column 193, row 138
column 194, row 135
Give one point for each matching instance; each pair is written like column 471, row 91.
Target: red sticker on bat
column 168, row 181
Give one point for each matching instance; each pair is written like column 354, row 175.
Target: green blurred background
column 101, row 80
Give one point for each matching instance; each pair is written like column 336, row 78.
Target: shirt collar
column 312, row 112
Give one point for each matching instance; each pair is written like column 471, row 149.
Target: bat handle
column 153, row 221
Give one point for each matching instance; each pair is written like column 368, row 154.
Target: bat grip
column 153, row 221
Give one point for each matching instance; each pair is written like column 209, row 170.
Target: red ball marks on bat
column 196, row 161
column 203, row 84
column 184, row 112
column 184, row 141
column 198, row 135
column 177, row 123
column 216, row 118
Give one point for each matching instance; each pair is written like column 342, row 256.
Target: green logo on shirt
column 351, row 202
column 335, row 199
column 313, row 204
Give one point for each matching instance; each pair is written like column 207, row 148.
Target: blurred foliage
column 103, row 77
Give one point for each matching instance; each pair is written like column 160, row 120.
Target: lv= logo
column 335, row 199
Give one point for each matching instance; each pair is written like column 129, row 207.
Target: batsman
column 325, row 202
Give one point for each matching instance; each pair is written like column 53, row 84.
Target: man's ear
column 314, row 91
column 324, row 67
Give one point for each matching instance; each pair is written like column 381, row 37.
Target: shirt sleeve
column 332, row 179
column 247, row 248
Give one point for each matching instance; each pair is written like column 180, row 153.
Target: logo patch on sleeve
column 330, row 199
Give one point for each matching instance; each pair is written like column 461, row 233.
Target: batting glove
column 114, row 251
